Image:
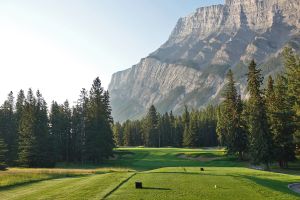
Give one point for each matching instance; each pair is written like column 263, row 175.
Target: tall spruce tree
column 127, row 137
column 27, row 147
column 281, row 123
column 150, row 128
column 261, row 147
column 3, row 151
column 192, row 139
column 242, row 138
column 165, row 130
column 221, row 128
column 44, row 151
column 270, row 100
column 179, row 129
column 99, row 136
column 173, row 133
column 292, row 67
column 20, row 106
column 79, row 121
column 186, row 119
column 230, row 125
column 60, row 120
column 107, row 107
column 55, row 129
column 8, row 127
column 118, row 134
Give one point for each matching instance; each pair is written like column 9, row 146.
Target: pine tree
column 127, row 134
column 137, row 133
column 260, row 137
column 8, row 128
column 212, row 124
column 187, row 140
column 221, row 128
column 230, row 113
column 67, row 117
column 55, row 129
column 3, row 151
column 27, row 147
column 179, row 129
column 165, row 130
column 118, row 134
column 241, row 138
column 193, row 131
column 20, row 106
column 79, row 121
column 150, row 128
column 270, row 100
column 281, row 124
column 44, row 151
column 292, row 67
column 107, row 107
column 173, row 134
column 99, row 136
column 230, row 124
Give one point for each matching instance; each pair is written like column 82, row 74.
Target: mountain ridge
column 189, row 68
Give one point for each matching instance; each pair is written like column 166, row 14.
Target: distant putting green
column 169, row 173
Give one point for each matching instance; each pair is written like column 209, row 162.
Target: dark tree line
column 30, row 136
column 192, row 129
column 266, row 126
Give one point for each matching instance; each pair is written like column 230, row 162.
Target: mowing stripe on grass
column 118, row 186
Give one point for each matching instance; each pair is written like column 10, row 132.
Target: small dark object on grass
column 202, row 169
column 138, row 185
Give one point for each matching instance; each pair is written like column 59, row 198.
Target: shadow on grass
column 13, row 186
column 155, row 188
column 150, row 159
column 195, row 173
column 275, row 185
column 143, row 164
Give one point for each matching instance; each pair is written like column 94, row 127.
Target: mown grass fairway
column 169, row 173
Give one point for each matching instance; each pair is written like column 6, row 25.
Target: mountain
column 190, row 67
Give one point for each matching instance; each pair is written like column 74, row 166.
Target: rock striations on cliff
column 189, row 69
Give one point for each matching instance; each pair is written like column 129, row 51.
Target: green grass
column 142, row 159
column 190, row 183
column 20, row 176
column 164, row 172
column 89, row 187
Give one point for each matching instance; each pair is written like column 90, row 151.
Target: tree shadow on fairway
column 151, row 163
column 26, row 183
column 155, row 188
column 275, row 185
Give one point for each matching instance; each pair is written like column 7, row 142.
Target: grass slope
column 164, row 173
column 190, row 183
column 84, row 187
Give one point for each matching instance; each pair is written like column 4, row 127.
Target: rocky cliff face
column 190, row 67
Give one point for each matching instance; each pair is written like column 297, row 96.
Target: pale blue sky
column 60, row 46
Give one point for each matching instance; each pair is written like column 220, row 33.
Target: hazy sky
column 60, row 46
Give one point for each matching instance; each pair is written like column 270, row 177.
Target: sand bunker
column 199, row 158
column 295, row 187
